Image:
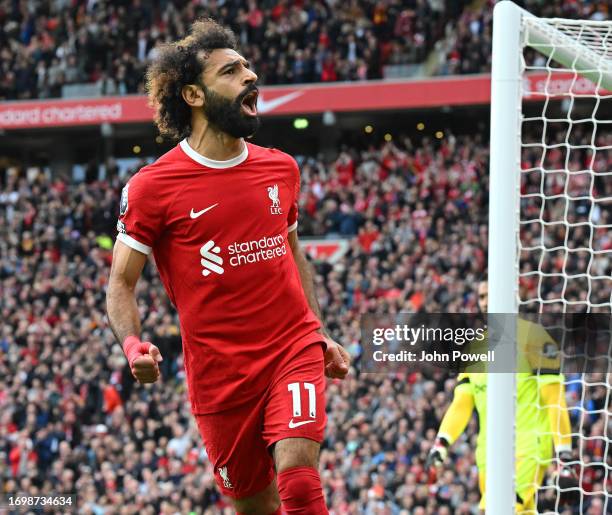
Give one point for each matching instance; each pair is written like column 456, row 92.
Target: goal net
column 561, row 190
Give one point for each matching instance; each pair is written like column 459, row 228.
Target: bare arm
column 120, row 298
column 123, row 313
column 306, row 276
column 337, row 360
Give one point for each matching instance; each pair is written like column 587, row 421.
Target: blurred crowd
column 581, row 246
column 468, row 42
column 72, row 419
column 46, row 45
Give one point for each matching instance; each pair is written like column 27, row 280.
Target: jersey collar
column 211, row 163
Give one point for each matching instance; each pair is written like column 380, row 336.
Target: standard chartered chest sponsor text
column 254, row 251
column 241, row 253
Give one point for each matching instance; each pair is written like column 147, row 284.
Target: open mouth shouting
column 249, row 103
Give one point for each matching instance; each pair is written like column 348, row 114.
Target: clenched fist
column 143, row 358
column 337, row 359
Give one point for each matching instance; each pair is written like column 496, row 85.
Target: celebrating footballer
column 220, row 216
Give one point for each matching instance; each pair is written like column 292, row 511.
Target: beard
column 227, row 116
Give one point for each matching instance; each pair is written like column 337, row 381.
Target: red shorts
column 238, row 440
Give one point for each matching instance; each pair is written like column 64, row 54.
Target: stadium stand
column 52, row 49
column 50, row 45
column 466, row 49
column 72, row 419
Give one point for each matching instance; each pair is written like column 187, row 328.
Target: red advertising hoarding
column 296, row 100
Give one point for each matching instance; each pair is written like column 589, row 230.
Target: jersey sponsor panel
column 243, row 253
column 254, row 251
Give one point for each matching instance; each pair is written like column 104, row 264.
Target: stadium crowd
column 467, row 47
column 73, row 420
column 46, row 45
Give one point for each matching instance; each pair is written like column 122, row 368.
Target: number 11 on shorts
column 294, row 388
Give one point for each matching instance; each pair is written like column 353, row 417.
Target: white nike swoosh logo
column 264, row 106
column 193, row 214
column 293, row 425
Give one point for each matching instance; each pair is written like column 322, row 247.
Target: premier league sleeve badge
column 123, row 206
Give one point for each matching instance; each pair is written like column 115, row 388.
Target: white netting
column 565, row 241
column 579, row 46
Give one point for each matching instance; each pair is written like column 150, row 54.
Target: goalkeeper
column 542, row 418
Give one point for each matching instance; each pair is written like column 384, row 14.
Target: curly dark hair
column 178, row 64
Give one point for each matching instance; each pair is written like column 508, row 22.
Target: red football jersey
column 218, row 231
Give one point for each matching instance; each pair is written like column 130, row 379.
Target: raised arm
column 123, row 315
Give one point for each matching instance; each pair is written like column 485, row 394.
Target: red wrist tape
column 134, row 348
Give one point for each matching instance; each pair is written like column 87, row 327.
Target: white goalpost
column 550, row 212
